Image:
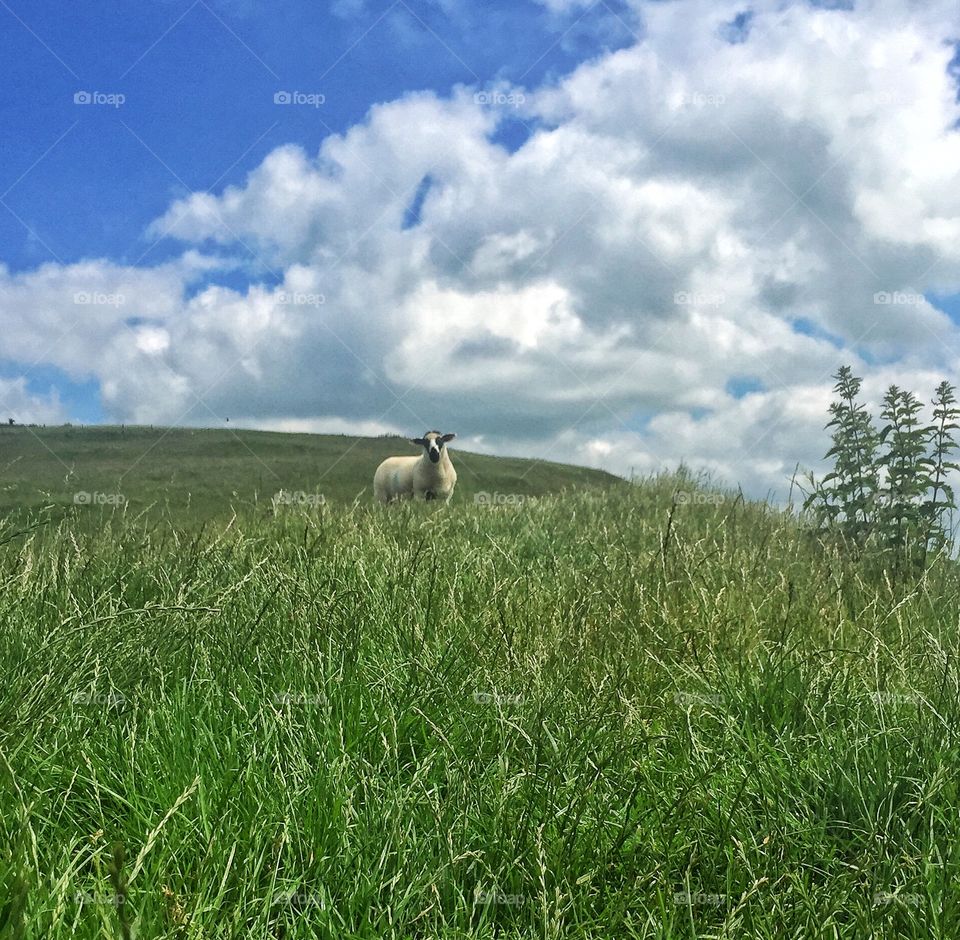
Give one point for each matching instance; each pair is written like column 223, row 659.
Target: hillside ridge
column 209, row 472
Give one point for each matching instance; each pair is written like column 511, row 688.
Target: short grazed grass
column 193, row 475
column 600, row 714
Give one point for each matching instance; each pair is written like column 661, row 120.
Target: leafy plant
column 899, row 511
column 845, row 500
column 941, row 501
column 888, row 490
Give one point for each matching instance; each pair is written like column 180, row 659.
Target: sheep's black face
column 433, row 443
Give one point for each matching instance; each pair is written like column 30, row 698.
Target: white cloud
column 590, row 296
column 24, row 407
column 321, row 425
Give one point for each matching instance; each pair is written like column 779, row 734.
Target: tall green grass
column 655, row 711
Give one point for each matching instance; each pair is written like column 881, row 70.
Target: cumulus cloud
column 701, row 207
column 25, row 407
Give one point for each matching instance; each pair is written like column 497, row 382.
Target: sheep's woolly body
column 415, row 478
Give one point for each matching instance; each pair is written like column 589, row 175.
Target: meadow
column 620, row 710
column 186, row 476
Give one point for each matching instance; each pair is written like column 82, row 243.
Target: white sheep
column 429, row 476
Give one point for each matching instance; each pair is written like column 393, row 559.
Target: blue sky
column 617, row 232
column 199, row 80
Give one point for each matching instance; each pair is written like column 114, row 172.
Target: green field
column 189, row 475
column 647, row 710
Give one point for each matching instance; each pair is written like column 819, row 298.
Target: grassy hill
column 610, row 713
column 200, row 474
column 630, row 711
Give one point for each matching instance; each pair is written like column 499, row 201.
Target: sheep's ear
column 418, row 441
column 447, row 438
